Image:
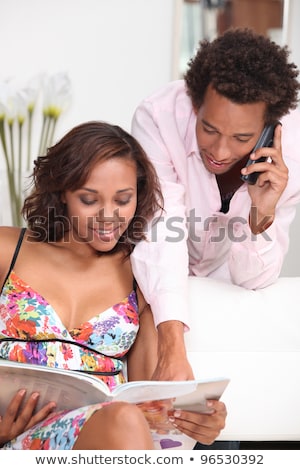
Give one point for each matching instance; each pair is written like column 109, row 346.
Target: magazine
column 73, row 389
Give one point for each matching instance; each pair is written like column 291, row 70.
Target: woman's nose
column 108, row 213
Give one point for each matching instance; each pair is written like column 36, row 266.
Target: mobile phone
column 265, row 140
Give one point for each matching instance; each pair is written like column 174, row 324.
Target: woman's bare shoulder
column 9, row 234
column 8, row 240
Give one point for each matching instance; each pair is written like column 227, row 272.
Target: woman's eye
column 87, row 202
column 123, row 202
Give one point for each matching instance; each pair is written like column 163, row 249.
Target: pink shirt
column 195, row 238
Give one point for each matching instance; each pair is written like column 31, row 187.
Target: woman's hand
column 202, row 427
column 18, row 419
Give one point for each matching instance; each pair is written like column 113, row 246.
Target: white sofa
column 252, row 337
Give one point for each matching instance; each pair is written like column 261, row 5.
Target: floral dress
column 31, row 332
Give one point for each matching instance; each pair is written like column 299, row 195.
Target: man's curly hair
column 245, row 67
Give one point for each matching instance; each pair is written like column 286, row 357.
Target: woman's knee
column 118, row 425
column 123, row 413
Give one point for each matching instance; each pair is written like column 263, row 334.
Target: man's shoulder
column 291, row 119
column 172, row 93
column 291, row 136
column 291, row 125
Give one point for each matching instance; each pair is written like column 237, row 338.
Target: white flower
column 7, row 101
column 4, row 93
column 17, row 106
column 31, row 91
column 57, row 94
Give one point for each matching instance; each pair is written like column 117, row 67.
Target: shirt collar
column 191, row 139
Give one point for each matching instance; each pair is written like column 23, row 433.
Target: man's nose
column 221, row 150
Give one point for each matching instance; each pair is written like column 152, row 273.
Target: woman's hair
column 67, row 166
column 245, row 67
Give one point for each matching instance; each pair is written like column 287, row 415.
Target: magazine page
column 196, row 400
column 164, row 434
column 71, row 389
column 147, row 390
column 67, row 388
column 189, row 394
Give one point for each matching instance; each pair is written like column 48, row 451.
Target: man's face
column 227, row 131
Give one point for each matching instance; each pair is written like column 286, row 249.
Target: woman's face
column 102, row 209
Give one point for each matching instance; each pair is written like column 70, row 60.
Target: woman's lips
column 107, row 234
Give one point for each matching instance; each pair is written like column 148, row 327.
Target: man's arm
column 162, row 350
column 164, row 284
column 172, row 363
column 160, row 264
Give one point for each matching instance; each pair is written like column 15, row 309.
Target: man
column 199, row 133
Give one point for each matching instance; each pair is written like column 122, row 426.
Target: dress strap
column 14, row 258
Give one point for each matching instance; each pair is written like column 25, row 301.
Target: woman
column 93, row 194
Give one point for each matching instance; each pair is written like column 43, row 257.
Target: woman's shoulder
column 9, row 237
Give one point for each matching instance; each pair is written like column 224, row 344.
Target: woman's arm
column 142, row 358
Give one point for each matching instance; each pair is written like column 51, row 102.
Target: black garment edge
column 54, row 340
column 15, row 255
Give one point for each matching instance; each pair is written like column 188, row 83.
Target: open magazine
column 71, row 389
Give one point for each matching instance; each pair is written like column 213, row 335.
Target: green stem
column 20, row 189
column 48, row 124
column 3, row 141
column 14, row 194
column 29, row 136
column 10, row 177
column 51, row 135
column 12, row 147
column 42, row 137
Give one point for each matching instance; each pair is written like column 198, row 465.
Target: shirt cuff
column 169, row 306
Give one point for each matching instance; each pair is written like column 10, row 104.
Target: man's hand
column 270, row 185
column 172, row 363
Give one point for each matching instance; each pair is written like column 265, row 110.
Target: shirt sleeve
column 160, row 264
column 257, row 261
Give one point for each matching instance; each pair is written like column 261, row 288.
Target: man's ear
column 63, row 198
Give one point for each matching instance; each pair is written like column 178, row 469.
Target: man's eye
column 242, row 140
column 209, row 131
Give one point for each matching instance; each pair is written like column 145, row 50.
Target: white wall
column 115, row 52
